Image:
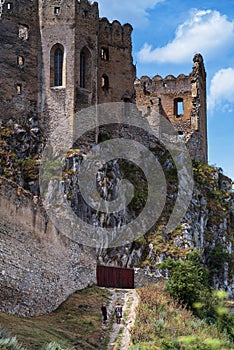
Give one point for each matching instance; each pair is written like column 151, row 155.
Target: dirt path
column 119, row 335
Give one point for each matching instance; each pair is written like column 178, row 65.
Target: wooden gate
column 116, row 277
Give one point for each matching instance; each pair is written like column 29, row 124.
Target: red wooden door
column 116, row 277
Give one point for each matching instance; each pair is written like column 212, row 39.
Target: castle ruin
column 182, row 101
column 58, row 57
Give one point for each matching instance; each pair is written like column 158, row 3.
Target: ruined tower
column 182, row 101
column 58, row 57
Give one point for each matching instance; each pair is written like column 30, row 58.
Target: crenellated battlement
column 182, row 100
column 87, row 9
column 169, row 84
column 114, row 33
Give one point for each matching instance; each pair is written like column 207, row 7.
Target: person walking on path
column 104, row 313
column 118, row 312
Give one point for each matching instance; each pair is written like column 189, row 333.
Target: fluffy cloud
column 206, row 32
column 221, row 94
column 130, row 11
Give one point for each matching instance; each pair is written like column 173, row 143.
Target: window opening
column 179, row 107
column 23, row 32
column 105, row 82
column 8, row 6
column 19, row 89
column 58, row 67
column 82, row 70
column 20, row 61
column 104, row 54
column 57, row 10
column 180, row 134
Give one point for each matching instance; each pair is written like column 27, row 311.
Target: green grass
column 76, row 324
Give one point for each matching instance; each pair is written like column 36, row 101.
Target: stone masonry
column 182, row 101
column 58, row 57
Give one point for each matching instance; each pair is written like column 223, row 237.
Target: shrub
column 189, row 281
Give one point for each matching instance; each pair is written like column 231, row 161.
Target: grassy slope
column 162, row 324
column 77, row 322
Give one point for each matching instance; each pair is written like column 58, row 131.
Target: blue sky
column 166, row 35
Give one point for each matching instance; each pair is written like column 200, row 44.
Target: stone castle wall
column 182, row 101
column 19, row 58
column 30, row 33
column 39, row 268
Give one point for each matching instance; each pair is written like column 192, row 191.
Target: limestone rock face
column 207, row 227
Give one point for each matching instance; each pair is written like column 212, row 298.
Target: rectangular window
column 82, row 70
column 104, row 54
column 8, row 6
column 180, row 107
column 19, row 89
column 57, row 10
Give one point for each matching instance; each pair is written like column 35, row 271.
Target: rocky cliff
column 40, row 266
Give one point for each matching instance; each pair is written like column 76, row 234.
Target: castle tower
column 19, row 58
column 57, row 57
column 57, row 27
column 116, row 73
column 182, row 101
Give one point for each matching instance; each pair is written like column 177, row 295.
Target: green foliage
column 189, row 284
column 188, row 281
column 216, row 256
column 10, row 343
column 163, row 324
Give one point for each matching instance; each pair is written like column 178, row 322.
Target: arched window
column 85, row 69
column 57, row 66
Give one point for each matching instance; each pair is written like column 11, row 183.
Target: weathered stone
column 40, row 267
column 162, row 96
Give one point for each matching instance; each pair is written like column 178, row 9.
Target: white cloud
column 205, row 32
column 127, row 11
column 221, row 94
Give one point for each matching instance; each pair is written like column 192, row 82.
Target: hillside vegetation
column 76, row 324
column 164, row 324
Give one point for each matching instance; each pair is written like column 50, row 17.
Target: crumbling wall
column 116, row 65
column 182, row 101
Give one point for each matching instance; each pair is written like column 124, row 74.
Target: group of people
column 118, row 312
